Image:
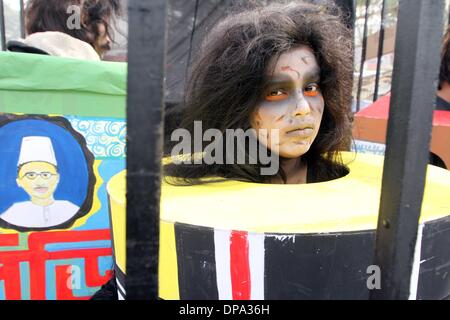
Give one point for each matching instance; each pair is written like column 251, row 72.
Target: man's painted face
column 292, row 103
column 38, row 179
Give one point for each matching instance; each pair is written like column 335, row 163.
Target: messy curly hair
column 52, row 15
column 228, row 79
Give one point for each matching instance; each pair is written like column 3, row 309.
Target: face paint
column 287, row 68
column 306, row 58
column 292, row 102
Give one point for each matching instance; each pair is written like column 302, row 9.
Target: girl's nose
column 302, row 106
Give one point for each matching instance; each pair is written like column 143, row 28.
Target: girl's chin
column 294, row 152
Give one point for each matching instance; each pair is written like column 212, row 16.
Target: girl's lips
column 41, row 189
column 306, row 132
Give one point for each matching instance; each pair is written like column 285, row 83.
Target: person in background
column 50, row 29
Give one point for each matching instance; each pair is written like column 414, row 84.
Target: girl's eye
column 277, row 95
column 312, row 90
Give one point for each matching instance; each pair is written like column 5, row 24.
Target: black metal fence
column 373, row 46
column 416, row 65
column 417, row 61
column 368, row 43
column 3, row 24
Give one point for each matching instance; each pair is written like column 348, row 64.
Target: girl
column 284, row 69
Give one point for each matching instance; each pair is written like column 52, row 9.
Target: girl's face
column 291, row 104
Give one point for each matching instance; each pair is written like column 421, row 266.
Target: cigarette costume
column 240, row 240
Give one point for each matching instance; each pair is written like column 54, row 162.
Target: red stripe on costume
column 239, row 266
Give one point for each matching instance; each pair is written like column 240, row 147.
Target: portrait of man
column 38, row 176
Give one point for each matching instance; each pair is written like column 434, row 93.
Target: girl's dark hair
column 52, row 15
column 444, row 74
column 228, row 79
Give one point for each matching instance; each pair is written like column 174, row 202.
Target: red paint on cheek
column 287, row 68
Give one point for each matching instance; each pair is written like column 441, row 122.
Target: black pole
column 363, row 57
column 145, row 114
column 22, row 19
column 2, row 26
column 191, row 40
column 416, row 67
column 349, row 9
column 380, row 50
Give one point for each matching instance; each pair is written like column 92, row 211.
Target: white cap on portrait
column 37, row 149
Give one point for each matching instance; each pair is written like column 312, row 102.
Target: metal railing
column 2, row 26
column 21, row 17
column 363, row 57
column 416, row 65
column 417, row 62
column 145, row 127
column 368, row 47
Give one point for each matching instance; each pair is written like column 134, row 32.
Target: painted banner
column 62, row 135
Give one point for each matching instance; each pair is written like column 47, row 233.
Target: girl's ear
column 84, row 14
column 255, row 119
column 84, row 19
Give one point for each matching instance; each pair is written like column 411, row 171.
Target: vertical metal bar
column 363, row 57
column 191, row 40
column 145, row 114
column 348, row 7
column 22, row 19
column 416, row 66
column 380, row 50
column 2, row 26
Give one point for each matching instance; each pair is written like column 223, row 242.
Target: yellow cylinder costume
column 236, row 240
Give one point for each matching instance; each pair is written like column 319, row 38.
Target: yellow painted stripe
column 348, row 204
column 168, row 266
column 119, row 233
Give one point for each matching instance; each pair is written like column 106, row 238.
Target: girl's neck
column 295, row 171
